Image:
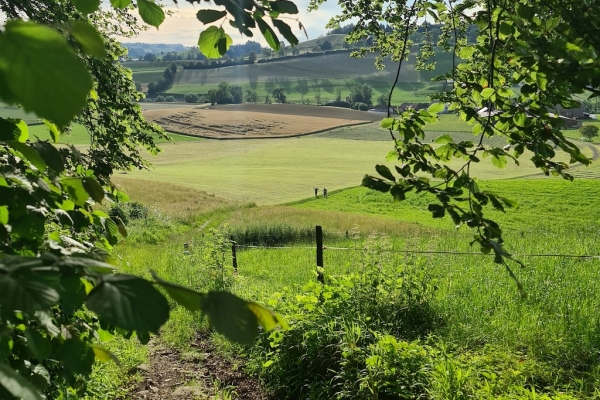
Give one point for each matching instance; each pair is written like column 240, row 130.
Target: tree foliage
column 58, row 289
column 544, row 47
column 279, row 95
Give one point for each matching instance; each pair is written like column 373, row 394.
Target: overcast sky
column 183, row 27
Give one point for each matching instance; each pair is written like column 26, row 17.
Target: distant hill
column 140, row 49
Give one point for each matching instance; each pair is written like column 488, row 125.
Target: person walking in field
column 324, row 193
column 317, row 193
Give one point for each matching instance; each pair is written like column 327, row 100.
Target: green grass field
column 79, row 136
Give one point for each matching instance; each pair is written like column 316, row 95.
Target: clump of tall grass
column 275, row 234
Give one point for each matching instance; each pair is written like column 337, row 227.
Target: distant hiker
column 317, row 192
column 325, row 193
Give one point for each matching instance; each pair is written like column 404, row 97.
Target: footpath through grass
column 455, row 323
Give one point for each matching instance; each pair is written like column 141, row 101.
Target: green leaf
column 74, row 187
column 508, row 202
column 391, row 155
column 487, row 93
column 86, row 6
column 17, row 385
column 121, row 226
column 385, row 172
column 104, row 355
column 129, row 302
column 3, row 215
column 520, row 119
column 209, row 16
column 437, row 211
column 151, row 13
column 30, row 154
column 143, row 337
column 444, row 139
column 38, row 344
column 94, row 189
column 387, row 123
column 436, row 108
column 499, row 161
column 268, row 33
column 230, row 316
column 183, row 296
column 42, row 72
column 209, row 41
column 286, row 31
column 120, row 3
column 88, row 38
column 267, row 318
column 26, row 292
column 376, row 184
column 398, row 193
column 76, row 356
column 466, row 52
column 40, row 377
column 51, row 156
column 284, row 7
column 53, row 129
column 13, row 130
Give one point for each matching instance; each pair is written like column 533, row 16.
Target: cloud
column 183, row 28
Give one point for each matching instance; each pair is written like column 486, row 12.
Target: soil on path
column 170, row 375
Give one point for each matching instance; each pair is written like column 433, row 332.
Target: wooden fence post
column 233, row 255
column 319, row 235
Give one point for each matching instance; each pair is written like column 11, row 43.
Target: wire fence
column 316, row 254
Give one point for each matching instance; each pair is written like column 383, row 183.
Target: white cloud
column 183, row 28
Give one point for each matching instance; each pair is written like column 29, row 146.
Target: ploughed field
column 251, row 121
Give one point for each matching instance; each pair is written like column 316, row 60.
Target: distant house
column 415, row 106
column 570, row 112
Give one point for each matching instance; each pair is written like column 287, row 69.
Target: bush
column 128, row 211
column 588, row 132
column 191, row 98
column 119, row 210
column 137, row 210
column 160, row 99
column 344, row 337
column 170, row 99
column 363, row 107
column 336, row 103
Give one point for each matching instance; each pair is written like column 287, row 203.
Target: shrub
column 336, row 103
column 588, row 132
column 160, row 99
column 170, row 99
column 279, row 95
column 353, row 338
column 190, row 98
column 363, row 107
column 119, row 210
column 137, row 210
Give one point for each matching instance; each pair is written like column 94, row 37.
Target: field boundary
column 297, row 135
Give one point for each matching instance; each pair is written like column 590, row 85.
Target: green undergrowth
column 406, row 315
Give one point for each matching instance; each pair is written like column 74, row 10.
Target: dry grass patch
column 177, row 201
column 226, row 124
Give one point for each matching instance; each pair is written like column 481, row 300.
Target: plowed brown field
column 257, row 121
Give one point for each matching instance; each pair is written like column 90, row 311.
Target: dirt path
column 205, row 375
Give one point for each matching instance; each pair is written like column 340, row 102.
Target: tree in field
column 362, row 93
column 318, row 97
column 173, row 68
column 326, row 45
column 382, row 100
column 150, row 57
column 251, row 96
column 295, row 51
column 252, row 57
column 316, row 49
column 588, row 132
column 138, row 86
column 190, row 98
column 279, row 95
column 237, row 94
column 267, row 53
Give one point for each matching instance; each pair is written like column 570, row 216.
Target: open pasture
column 237, row 122
column 275, row 171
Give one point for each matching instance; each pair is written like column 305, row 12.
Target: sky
column 183, row 28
